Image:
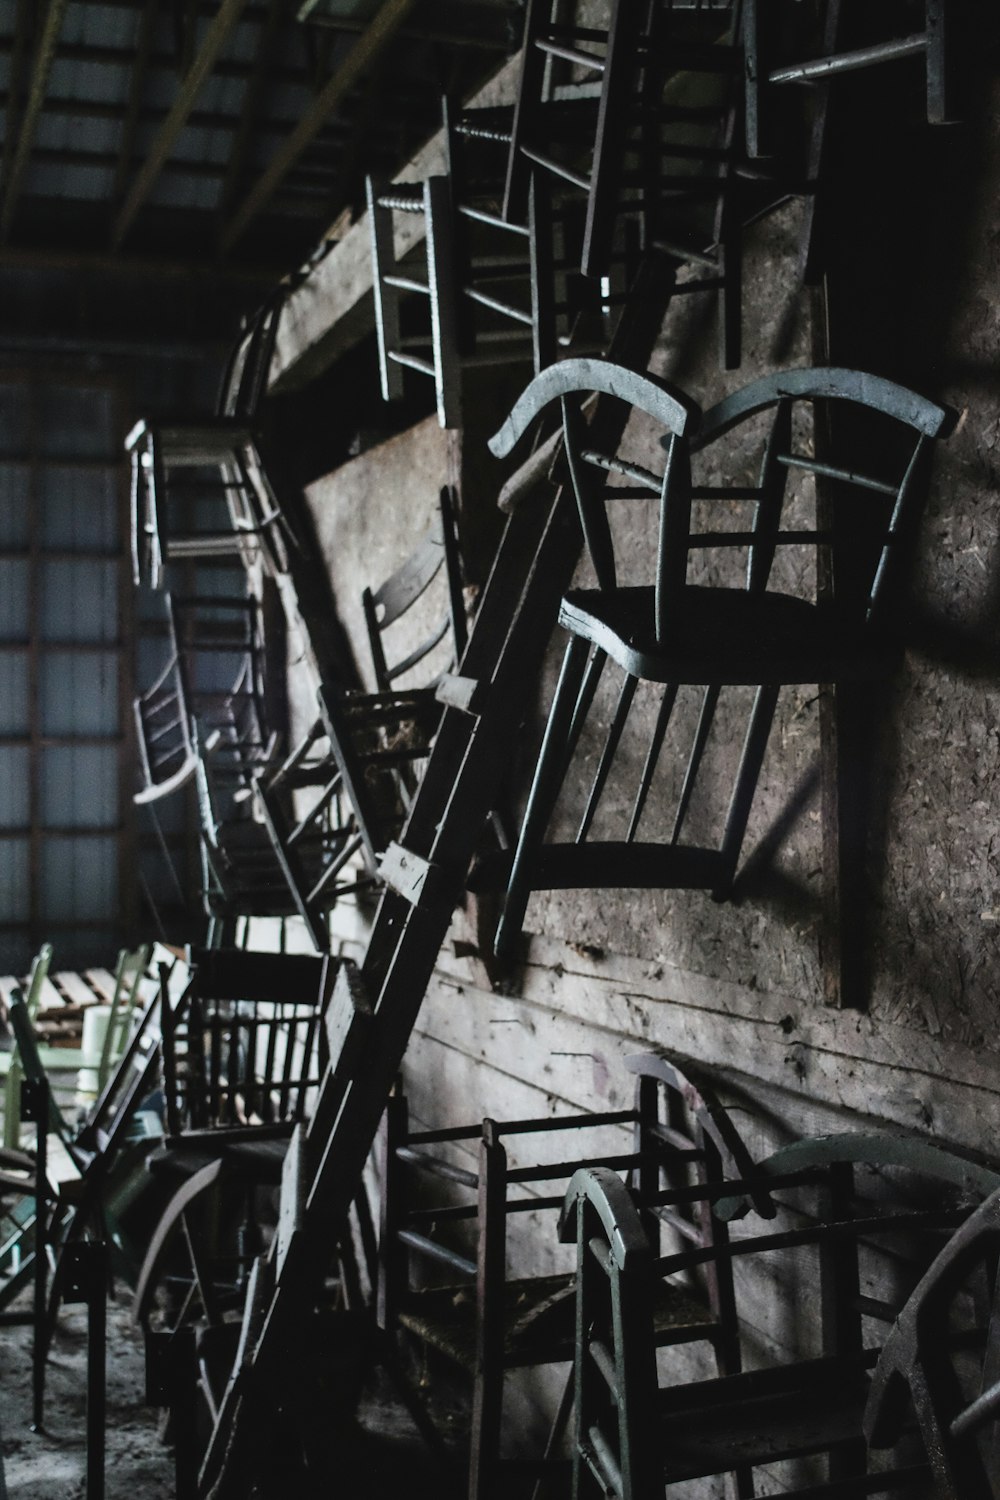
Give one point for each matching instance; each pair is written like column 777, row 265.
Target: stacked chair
column 698, row 622
column 200, row 491
column 217, row 676
column 242, row 1056
column 865, row 1214
column 495, row 1320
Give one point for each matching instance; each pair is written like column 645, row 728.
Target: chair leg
column 541, row 799
column 761, row 716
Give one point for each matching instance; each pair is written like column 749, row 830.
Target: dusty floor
column 380, row 1453
column 49, row 1465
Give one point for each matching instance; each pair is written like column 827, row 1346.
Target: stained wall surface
column 743, row 985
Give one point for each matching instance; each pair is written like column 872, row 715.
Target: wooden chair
column 500, row 290
column 315, row 846
column 941, row 1364
column 199, row 488
column 95, row 1170
column 855, row 1219
column 659, row 148
column 245, row 868
column 503, row 1320
column 777, row 54
column 702, row 623
column 243, row 1054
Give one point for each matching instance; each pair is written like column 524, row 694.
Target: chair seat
column 539, row 1316
column 729, row 636
column 258, row 1158
column 758, row 1417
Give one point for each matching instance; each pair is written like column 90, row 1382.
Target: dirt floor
column 379, row 1450
column 50, row 1465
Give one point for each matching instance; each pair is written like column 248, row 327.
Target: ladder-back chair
column 218, row 674
column 855, row 1219
column 777, row 54
column 199, row 487
column 659, row 147
column 443, row 1212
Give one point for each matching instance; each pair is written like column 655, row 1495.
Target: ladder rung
column 407, row 284
column 481, row 216
column 484, row 300
column 845, row 62
column 571, row 54
column 412, row 361
column 576, row 178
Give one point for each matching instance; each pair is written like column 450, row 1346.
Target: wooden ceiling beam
column 43, row 60
column 20, row 45
column 362, row 55
column 215, row 39
column 250, row 110
column 143, row 48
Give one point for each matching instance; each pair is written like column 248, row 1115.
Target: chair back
column 614, row 1367
column 130, row 970
column 244, row 380
column 243, row 1046
column 392, row 601
column 863, row 442
column 591, row 463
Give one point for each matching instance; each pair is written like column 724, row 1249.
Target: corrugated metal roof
column 106, row 90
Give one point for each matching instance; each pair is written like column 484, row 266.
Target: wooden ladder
column 375, row 1004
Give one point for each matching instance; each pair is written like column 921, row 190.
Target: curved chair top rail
column 157, row 790
column 610, row 1198
column 878, row 1149
column 826, row 383
column 711, row 1114
column 666, row 403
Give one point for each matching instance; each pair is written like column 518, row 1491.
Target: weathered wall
column 741, row 985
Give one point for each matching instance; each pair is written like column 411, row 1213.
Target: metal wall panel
column 78, row 694
column 78, row 786
column 78, row 509
column 79, row 878
column 13, row 506
column 74, row 421
column 15, row 889
column 13, row 599
column 15, row 709
column 14, row 783
column 78, row 600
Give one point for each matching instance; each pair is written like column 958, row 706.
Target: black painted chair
column 856, row 1220
column 243, row 1054
column 778, row 56
column 436, row 556
column 451, row 1279
column 658, row 148
column 260, row 859
column 842, row 500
